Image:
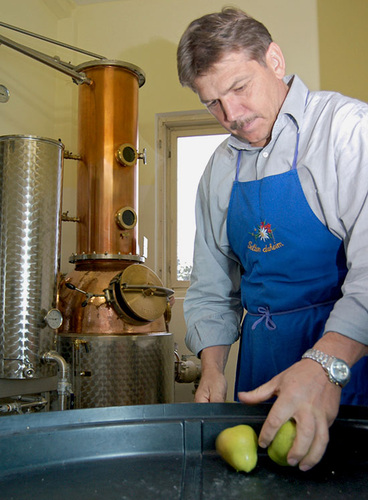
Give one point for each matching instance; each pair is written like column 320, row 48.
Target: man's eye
column 212, row 104
column 240, row 89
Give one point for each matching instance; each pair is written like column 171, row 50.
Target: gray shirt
column 333, row 170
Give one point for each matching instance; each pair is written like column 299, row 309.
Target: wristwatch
column 337, row 370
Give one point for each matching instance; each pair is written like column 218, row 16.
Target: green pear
column 238, row 447
column 282, row 442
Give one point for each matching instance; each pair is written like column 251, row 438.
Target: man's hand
column 213, row 385
column 212, row 388
column 304, row 393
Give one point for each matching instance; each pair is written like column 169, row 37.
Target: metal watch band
column 318, row 356
column 325, row 360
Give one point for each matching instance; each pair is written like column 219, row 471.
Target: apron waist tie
column 266, row 316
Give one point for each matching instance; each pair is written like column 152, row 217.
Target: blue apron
column 293, row 270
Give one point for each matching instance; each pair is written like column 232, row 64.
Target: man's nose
column 231, row 109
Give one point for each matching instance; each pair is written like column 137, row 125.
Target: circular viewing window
column 129, row 154
column 126, row 218
column 126, row 155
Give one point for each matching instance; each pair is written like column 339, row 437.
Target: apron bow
column 266, row 316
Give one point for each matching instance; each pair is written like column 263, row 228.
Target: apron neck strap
column 238, row 166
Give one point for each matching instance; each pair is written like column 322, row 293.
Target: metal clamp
column 148, row 289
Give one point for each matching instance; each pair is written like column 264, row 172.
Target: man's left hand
column 305, row 394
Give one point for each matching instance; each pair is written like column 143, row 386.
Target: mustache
column 239, row 124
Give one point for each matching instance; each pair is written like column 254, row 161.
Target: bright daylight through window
column 193, row 154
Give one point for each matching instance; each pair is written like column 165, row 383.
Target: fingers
column 211, row 389
column 310, row 443
column 201, row 397
column 305, row 435
column 277, row 416
column 261, row 393
column 208, row 396
column 311, row 439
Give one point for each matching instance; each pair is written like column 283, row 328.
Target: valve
column 28, row 371
column 88, row 295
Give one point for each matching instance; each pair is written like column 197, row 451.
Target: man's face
column 243, row 95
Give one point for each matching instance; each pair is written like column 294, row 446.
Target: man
column 282, row 215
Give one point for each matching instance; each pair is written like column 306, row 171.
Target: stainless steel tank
column 118, row 370
column 30, row 205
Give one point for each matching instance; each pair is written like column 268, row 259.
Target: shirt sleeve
column 350, row 314
column 212, row 306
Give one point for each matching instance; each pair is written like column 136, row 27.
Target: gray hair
column 208, row 38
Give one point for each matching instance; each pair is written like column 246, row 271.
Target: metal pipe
column 64, row 387
column 45, row 59
column 11, row 407
column 18, row 406
column 50, row 40
column 186, row 371
column 65, row 217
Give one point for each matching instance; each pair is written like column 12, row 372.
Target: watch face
column 340, row 371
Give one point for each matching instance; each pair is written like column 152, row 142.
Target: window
column 186, row 141
column 192, row 156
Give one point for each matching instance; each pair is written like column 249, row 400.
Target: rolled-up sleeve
column 350, row 314
column 212, row 306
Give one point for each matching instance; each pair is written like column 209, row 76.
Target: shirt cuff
column 215, row 330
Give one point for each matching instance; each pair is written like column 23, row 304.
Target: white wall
column 146, row 33
column 31, row 108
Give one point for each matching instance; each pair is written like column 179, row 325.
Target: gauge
column 54, row 318
column 4, row 94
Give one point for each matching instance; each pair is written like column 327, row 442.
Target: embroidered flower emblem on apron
column 263, row 232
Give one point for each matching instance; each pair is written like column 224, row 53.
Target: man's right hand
column 213, row 385
column 211, row 389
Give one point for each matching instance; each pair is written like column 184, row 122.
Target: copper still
column 115, row 309
column 106, row 322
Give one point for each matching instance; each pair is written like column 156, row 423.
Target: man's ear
column 275, row 60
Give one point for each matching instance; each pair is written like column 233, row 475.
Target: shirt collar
column 293, row 106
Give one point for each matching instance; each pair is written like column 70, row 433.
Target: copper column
column 119, row 310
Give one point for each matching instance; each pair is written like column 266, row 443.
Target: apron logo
column 263, row 234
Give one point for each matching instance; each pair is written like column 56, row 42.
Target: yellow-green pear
column 238, row 447
column 282, row 442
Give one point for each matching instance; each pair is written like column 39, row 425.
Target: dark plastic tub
column 167, row 452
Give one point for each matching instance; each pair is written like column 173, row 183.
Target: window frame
column 170, row 126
